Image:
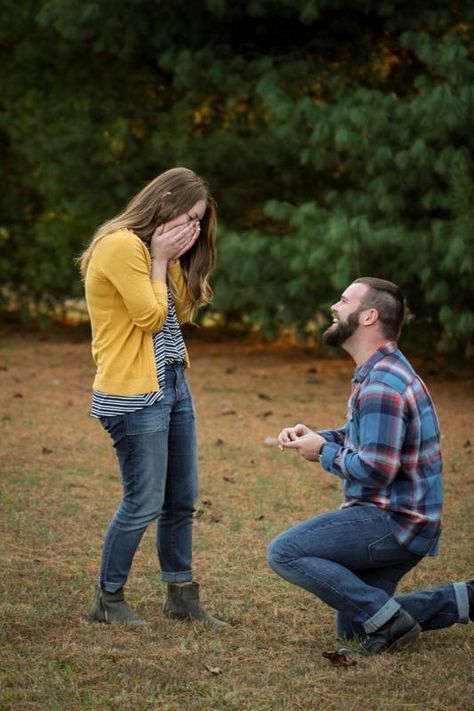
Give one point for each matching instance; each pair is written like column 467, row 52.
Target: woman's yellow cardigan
column 126, row 307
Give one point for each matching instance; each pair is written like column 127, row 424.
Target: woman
column 146, row 272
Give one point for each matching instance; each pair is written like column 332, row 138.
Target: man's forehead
column 355, row 292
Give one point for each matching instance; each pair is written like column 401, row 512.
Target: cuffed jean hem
column 462, row 601
column 184, row 576
column 111, row 587
column 390, row 608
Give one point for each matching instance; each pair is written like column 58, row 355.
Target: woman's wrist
column 158, row 269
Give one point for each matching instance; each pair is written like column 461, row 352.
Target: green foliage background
column 336, row 135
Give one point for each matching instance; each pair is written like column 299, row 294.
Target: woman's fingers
column 187, row 240
column 184, row 238
column 171, row 244
column 181, row 231
column 174, row 233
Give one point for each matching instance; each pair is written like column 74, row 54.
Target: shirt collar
column 363, row 370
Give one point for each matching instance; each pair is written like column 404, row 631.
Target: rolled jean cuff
column 184, row 576
column 382, row 616
column 462, row 601
column 111, row 587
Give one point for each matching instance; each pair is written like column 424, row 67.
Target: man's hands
column 300, row 437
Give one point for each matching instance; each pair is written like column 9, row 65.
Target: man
column 388, row 457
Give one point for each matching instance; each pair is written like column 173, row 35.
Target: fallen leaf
column 211, row 669
column 339, row 660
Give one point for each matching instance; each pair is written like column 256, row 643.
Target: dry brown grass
column 60, row 487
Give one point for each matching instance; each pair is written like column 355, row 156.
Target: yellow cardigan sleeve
column 123, row 259
column 182, row 300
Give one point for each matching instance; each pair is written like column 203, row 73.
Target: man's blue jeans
column 156, row 450
column 351, row 561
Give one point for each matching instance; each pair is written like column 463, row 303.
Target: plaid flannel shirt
column 388, row 452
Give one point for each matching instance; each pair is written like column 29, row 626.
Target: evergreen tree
column 336, row 135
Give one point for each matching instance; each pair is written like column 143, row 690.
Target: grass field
column 60, row 486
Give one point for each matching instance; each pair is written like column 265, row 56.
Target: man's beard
column 337, row 334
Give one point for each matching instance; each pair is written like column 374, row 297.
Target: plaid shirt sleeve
column 338, row 435
column 371, row 453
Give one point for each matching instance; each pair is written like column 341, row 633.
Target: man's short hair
column 389, row 301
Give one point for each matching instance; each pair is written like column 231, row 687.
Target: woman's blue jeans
column 156, row 450
column 351, row 561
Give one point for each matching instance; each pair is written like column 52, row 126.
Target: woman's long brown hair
column 171, row 194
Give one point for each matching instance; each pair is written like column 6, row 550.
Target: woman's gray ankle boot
column 183, row 603
column 111, row 607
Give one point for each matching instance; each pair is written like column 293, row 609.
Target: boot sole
column 403, row 641
column 141, row 626
column 196, row 620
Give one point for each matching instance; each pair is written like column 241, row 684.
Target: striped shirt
column 169, row 348
column 388, row 452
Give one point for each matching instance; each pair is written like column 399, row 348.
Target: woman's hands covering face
column 168, row 244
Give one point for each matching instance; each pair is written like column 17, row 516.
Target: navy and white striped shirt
column 169, row 348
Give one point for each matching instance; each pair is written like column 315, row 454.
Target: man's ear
column 369, row 317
